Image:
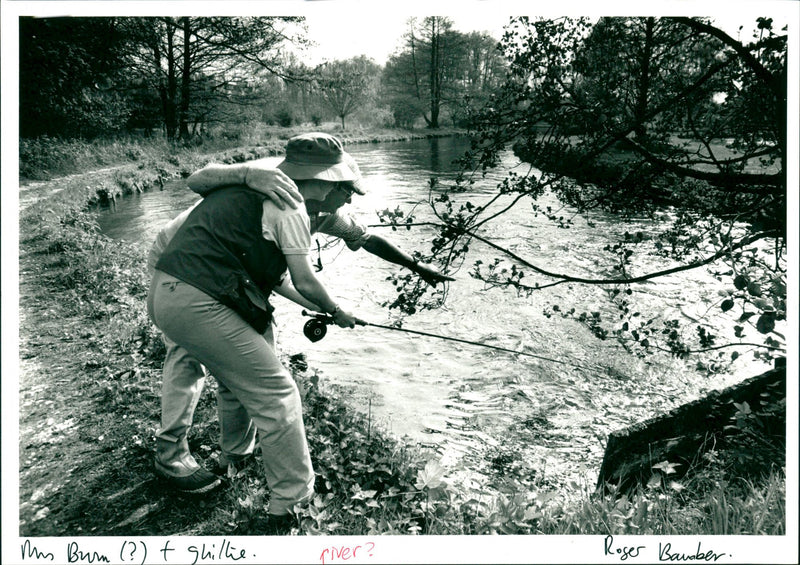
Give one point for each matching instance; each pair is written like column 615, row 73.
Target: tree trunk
column 683, row 434
column 640, row 110
column 185, row 80
column 163, row 93
column 416, row 71
column 170, row 110
column 435, row 88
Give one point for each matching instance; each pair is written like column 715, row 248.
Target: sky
column 343, row 35
column 346, row 28
column 362, row 29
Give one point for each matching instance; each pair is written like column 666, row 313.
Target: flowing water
column 485, row 412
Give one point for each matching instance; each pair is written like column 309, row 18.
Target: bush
column 375, row 117
column 405, row 117
column 284, row 118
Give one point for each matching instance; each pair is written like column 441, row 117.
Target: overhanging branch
column 744, row 242
column 717, row 179
column 726, row 251
column 762, row 72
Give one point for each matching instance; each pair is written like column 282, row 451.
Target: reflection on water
column 397, row 173
column 137, row 218
column 461, row 398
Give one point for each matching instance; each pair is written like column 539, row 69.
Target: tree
column 480, row 72
column 344, row 86
column 627, row 116
column 91, row 76
column 67, row 75
column 402, row 94
column 425, row 74
column 648, row 54
column 436, row 27
column 214, row 58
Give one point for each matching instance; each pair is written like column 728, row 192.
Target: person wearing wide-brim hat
column 274, row 177
column 319, row 156
column 209, row 296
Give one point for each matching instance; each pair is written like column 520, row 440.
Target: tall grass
column 45, row 158
column 747, row 508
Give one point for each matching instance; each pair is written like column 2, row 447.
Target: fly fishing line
column 316, row 328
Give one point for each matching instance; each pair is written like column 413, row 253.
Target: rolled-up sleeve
column 289, row 229
column 345, row 227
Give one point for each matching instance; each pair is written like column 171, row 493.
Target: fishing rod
column 316, row 328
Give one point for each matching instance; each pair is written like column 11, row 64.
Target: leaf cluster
column 640, row 118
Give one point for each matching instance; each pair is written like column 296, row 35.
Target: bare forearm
column 215, row 175
column 307, row 285
column 312, row 291
column 257, row 175
column 387, row 251
column 290, row 293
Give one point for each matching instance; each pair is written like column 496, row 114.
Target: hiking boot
column 269, row 525
column 199, row 482
column 224, row 467
column 280, row 525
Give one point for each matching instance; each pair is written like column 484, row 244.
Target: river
column 489, row 415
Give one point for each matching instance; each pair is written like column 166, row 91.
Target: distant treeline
column 184, row 76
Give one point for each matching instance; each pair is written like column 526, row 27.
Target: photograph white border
column 387, row 549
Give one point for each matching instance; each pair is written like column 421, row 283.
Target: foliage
column 43, row 157
column 91, row 76
column 439, row 70
column 68, row 67
column 709, row 503
column 345, row 86
column 92, row 289
column 646, row 118
column 197, row 64
column 283, row 117
column 184, row 77
column 374, row 116
column 364, row 478
column 757, row 436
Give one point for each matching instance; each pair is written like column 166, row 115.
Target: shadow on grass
column 119, row 496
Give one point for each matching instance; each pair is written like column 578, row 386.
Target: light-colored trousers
column 183, row 378
column 254, row 389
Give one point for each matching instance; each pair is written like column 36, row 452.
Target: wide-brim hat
column 320, row 156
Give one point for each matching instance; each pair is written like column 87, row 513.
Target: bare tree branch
column 735, row 180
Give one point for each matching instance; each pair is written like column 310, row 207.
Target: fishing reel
column 316, row 328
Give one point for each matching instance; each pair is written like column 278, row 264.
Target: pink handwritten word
column 344, row 552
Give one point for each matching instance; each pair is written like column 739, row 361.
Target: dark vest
column 220, row 250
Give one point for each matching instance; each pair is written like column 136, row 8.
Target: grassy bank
column 109, row 169
column 89, row 407
column 48, row 158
